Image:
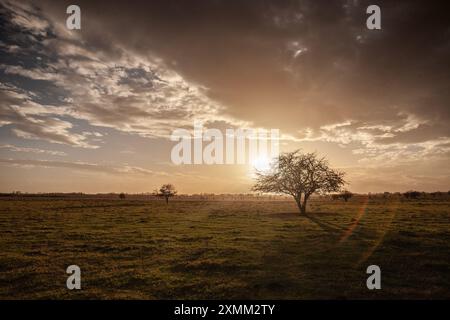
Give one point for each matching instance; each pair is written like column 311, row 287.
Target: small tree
column 122, row 195
column 346, row 195
column 299, row 175
column 167, row 191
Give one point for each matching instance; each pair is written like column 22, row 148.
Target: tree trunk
column 301, row 207
column 305, row 199
column 167, row 200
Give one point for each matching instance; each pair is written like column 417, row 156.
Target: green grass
column 224, row 250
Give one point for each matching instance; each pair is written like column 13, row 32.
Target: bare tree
column 167, row 191
column 299, row 175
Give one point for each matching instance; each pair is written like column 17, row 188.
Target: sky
column 92, row 110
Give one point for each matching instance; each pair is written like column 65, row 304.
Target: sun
column 260, row 163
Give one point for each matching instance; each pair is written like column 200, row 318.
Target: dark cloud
column 315, row 63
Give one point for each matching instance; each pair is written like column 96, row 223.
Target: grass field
column 223, row 250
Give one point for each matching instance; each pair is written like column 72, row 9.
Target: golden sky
column 92, row 110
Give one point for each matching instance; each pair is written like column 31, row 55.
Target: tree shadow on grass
column 327, row 226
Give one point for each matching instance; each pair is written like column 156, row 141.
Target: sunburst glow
column 261, row 163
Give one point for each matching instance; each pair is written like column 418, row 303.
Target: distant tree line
column 344, row 195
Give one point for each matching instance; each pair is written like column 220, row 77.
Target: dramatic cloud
column 143, row 68
column 108, row 86
column 315, row 64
